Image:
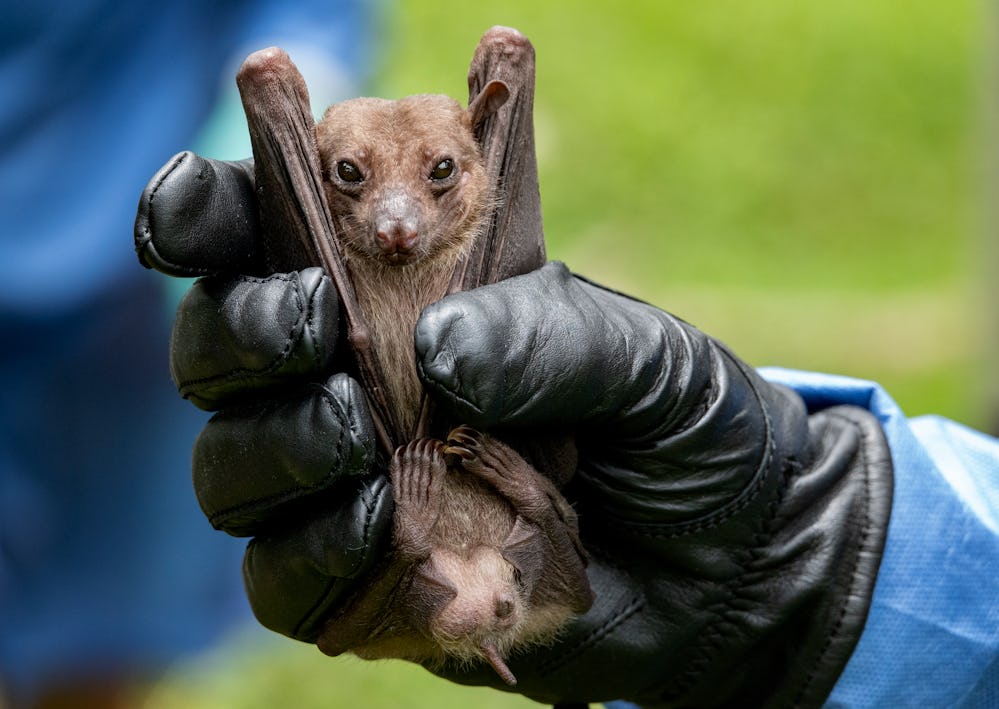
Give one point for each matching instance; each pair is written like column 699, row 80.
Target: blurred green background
column 805, row 181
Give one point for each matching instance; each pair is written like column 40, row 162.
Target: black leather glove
column 735, row 538
column 288, row 457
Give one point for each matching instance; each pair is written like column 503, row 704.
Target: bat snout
column 396, row 236
column 505, row 613
column 396, row 225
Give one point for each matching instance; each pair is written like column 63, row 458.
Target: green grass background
column 803, row 180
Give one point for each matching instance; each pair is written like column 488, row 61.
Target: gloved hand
column 288, row 457
column 734, row 537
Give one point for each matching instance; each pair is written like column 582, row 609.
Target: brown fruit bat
column 402, row 202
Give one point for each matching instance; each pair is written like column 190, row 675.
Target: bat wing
column 429, row 592
column 514, row 242
column 298, row 226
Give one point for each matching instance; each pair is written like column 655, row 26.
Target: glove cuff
column 787, row 620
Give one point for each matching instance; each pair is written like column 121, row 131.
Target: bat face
column 405, row 177
column 486, row 600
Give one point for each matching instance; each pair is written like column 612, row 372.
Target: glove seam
column 318, row 608
column 634, row 605
column 836, row 632
column 442, row 389
column 354, row 417
column 672, row 530
column 310, row 325
column 712, row 637
column 237, row 374
column 344, row 419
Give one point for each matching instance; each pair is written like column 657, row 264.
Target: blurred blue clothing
column 106, row 564
column 932, row 636
column 97, row 95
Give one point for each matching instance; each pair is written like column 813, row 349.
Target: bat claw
column 465, row 437
column 458, row 455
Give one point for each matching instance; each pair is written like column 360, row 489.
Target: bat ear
column 430, row 592
column 490, row 99
column 524, row 548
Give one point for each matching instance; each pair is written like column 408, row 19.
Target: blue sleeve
column 932, row 636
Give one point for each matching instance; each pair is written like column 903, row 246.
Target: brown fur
column 452, row 589
column 396, row 145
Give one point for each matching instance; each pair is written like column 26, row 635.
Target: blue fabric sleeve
column 932, row 636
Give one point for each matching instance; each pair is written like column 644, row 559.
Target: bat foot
column 417, row 471
column 497, row 464
column 481, row 454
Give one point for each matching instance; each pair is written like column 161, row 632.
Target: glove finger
column 259, row 463
column 544, row 348
column 670, row 425
column 199, row 216
column 295, row 577
column 237, row 336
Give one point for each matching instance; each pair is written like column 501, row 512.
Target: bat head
column 408, row 175
column 469, row 605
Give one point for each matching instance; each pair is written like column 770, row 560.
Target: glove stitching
column 310, row 325
column 370, row 505
column 838, row 627
column 445, row 392
column 452, row 373
column 341, row 440
column 294, row 491
column 633, row 606
column 713, row 637
column 354, row 416
column 145, row 242
column 237, row 374
column 672, row 530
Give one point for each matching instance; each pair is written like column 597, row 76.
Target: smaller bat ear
column 490, row 99
column 525, row 549
column 429, row 592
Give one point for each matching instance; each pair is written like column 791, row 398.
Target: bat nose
column 396, row 236
column 504, row 606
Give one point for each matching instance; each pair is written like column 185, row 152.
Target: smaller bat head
column 471, row 605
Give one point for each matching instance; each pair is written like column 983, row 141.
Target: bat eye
column 348, row 172
column 444, row 170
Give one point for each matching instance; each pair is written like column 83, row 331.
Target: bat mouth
column 399, row 258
